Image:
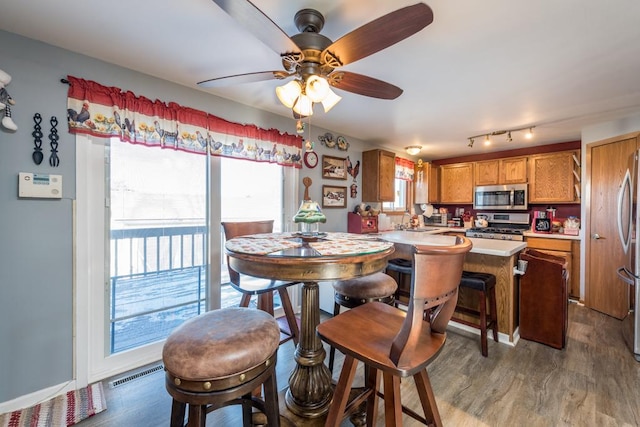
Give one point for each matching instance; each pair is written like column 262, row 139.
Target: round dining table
column 309, row 260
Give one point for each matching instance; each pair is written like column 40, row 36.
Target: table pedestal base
column 310, row 388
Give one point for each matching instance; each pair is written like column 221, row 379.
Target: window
column 403, row 187
column 401, row 202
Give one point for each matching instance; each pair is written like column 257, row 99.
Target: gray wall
column 36, row 301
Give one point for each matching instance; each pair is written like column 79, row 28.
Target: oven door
column 500, row 197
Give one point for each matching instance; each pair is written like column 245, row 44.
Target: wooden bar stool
column 394, row 344
column 352, row 293
column 217, row 359
column 485, row 285
column 403, row 269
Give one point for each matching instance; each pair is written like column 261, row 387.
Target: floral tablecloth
column 330, row 244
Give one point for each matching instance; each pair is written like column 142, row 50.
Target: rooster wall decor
column 353, row 170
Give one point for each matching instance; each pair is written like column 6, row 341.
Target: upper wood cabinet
column 511, row 170
column 456, row 183
column 552, row 178
column 378, row 176
column 487, row 172
column 426, row 183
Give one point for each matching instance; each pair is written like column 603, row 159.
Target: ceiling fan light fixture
column 317, row 88
column 413, row 150
column 330, row 100
column 289, row 93
column 303, row 106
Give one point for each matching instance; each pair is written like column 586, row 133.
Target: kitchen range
column 503, row 226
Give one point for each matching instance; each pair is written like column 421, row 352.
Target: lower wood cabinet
column 567, row 249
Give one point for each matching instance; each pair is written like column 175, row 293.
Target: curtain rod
column 65, row 81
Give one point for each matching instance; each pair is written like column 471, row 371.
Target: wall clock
column 311, row 159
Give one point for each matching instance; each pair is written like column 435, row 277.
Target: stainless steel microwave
column 500, row 197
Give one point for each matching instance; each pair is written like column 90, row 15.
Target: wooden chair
column 396, row 345
column 262, row 288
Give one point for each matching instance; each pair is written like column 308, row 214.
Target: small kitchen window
column 403, row 187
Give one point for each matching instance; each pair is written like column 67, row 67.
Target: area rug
column 61, row 411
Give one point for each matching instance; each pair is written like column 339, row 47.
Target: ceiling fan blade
column 380, row 33
column 259, row 24
column 363, row 85
column 243, row 78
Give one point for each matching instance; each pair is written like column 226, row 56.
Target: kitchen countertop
column 438, row 230
column 502, row 248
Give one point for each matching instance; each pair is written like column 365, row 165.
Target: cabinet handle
column 596, row 236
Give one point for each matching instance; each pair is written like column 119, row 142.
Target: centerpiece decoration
column 309, row 215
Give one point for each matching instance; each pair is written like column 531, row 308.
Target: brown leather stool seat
column 217, row 359
column 351, row 293
column 485, row 285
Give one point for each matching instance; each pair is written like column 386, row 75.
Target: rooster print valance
column 404, row 169
column 110, row 112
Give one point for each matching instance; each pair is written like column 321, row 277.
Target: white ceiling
column 481, row 66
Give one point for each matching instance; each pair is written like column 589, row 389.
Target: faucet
column 402, row 226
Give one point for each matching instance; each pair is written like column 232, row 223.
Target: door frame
column 91, row 361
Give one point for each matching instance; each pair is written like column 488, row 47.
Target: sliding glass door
column 147, row 257
column 157, row 242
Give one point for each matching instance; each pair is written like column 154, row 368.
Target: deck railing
column 157, row 282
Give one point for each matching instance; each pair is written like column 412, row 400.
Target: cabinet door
column 425, row 183
column 551, row 178
column 434, row 187
column 567, row 249
column 387, row 176
column 378, row 176
column 456, row 184
column 513, row 170
column 487, row 173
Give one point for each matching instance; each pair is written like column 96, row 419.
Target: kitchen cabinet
column 487, row 172
column 552, row 178
column 567, row 249
column 510, row 170
column 513, row 170
column 456, row 183
column 426, row 183
column 378, row 176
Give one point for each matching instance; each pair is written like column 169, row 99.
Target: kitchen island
column 498, row 257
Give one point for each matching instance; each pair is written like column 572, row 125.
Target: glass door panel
column 157, row 242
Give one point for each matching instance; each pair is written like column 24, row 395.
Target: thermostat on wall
column 39, row 185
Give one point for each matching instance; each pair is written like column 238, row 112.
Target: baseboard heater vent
column 135, row 376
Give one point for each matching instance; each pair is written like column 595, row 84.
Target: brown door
column 604, row 291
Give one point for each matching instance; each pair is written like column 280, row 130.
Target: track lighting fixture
column 487, row 136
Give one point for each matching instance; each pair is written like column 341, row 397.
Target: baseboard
column 502, row 337
column 37, row 397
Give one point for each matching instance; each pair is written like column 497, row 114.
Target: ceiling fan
column 313, row 60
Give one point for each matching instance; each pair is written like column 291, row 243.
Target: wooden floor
column 595, row 381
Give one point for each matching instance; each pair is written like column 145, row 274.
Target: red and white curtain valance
column 109, row 112
column 404, row 169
